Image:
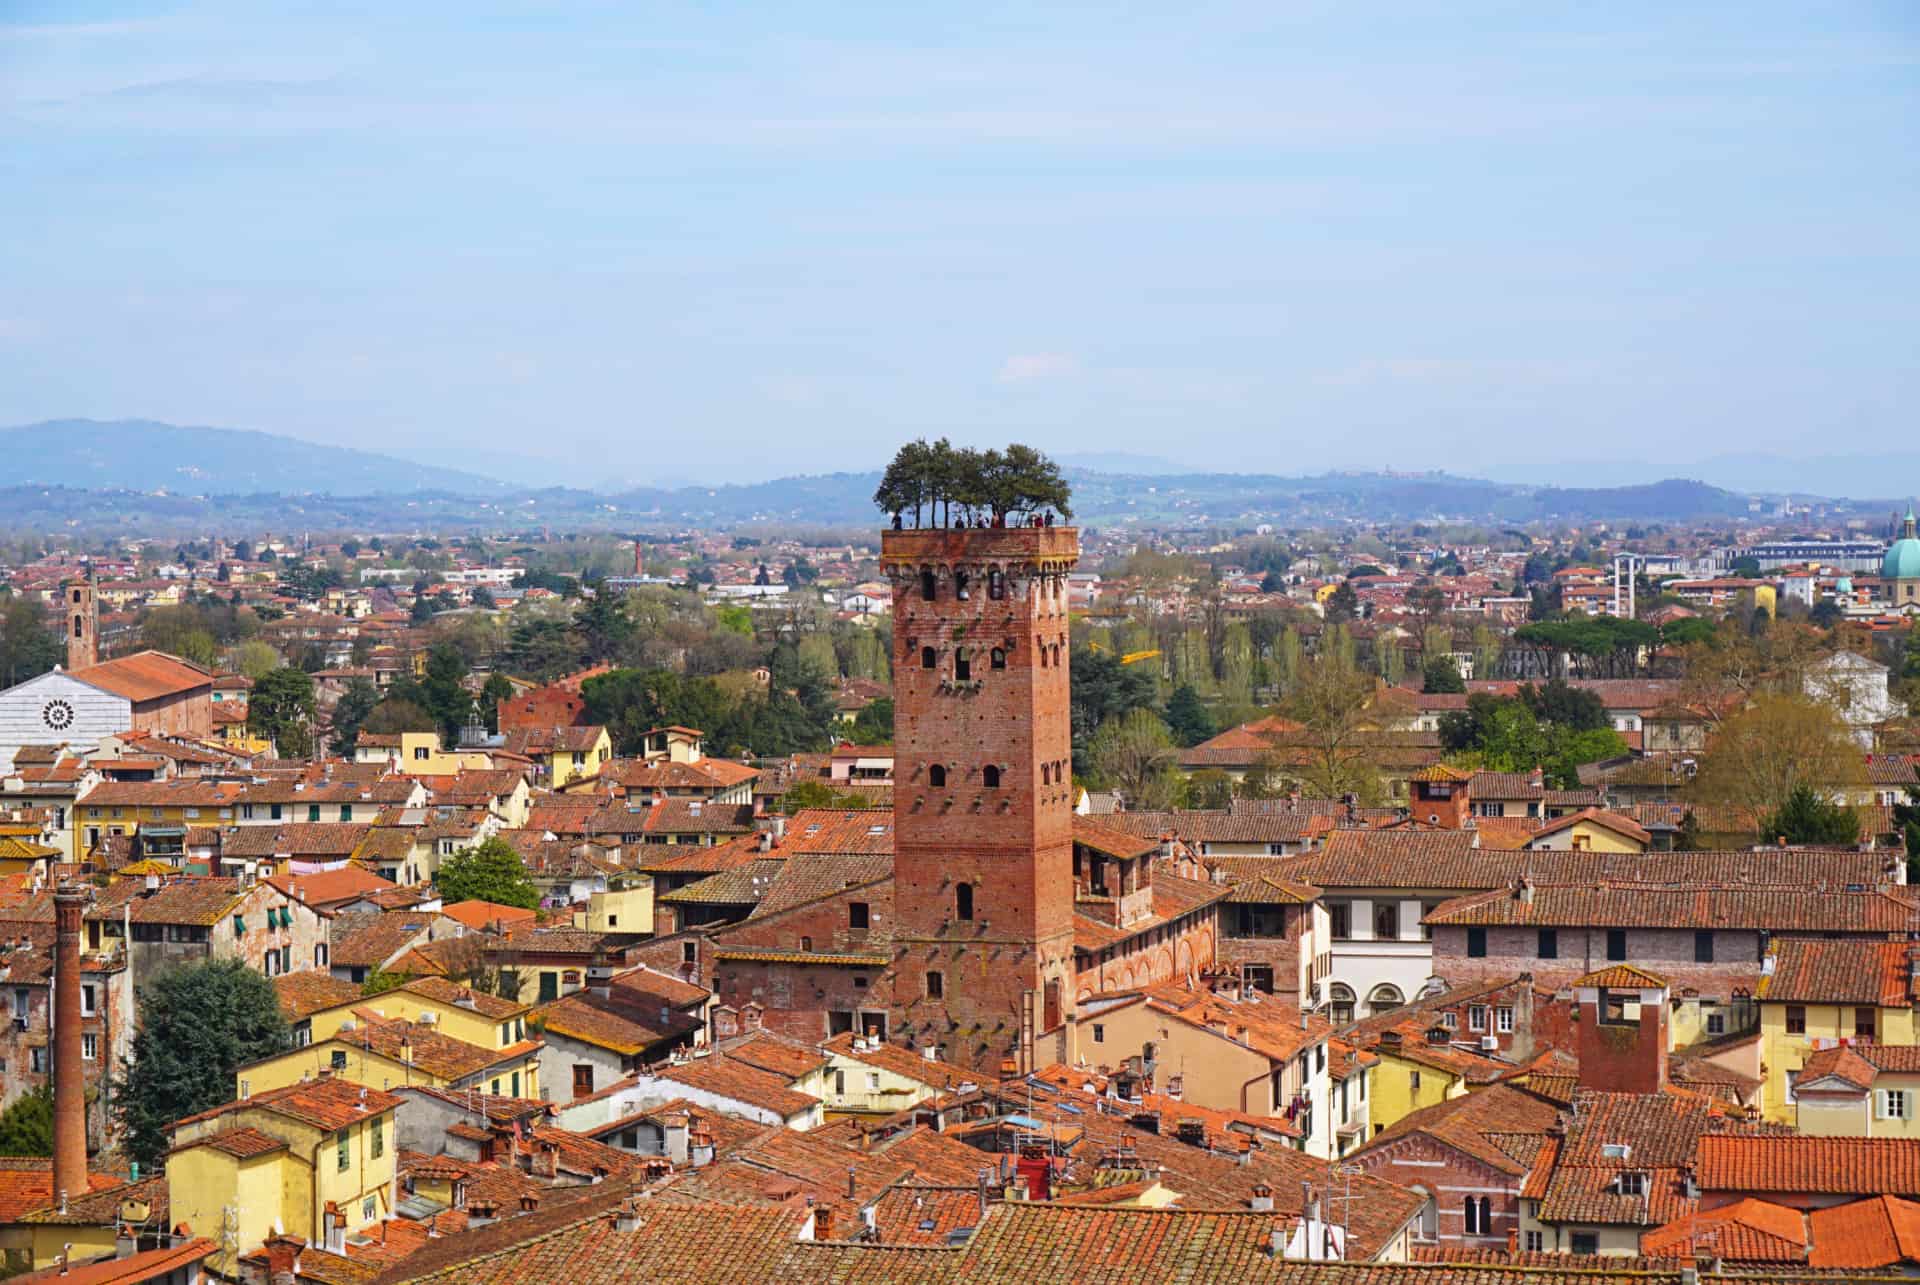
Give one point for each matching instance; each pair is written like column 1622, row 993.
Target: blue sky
column 642, row 241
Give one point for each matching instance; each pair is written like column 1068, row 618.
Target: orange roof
column 145, row 675
column 148, row 1265
column 1623, row 977
column 329, row 886
column 1804, row 1165
column 26, row 1184
column 478, row 914
column 1878, row 1232
column 1625, row 827
column 1747, row 1231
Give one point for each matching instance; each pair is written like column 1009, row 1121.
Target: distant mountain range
column 140, row 475
column 145, row 455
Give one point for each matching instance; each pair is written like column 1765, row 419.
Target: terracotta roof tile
column 1822, row 971
column 145, row 675
column 1797, row 1165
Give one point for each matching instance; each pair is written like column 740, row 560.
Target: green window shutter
column 239, row 926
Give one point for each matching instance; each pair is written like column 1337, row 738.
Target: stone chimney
column 69, row 1082
column 674, row 1130
column 1262, row 1202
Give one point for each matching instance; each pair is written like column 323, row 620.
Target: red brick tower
column 69, row 1076
column 83, row 623
column 982, row 801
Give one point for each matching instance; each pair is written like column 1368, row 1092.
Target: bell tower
column 982, row 800
column 83, row 623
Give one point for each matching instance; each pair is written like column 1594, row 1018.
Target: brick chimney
column 69, row 1082
column 283, row 1258
column 1622, row 1037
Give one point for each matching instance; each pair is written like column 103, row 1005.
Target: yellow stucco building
column 388, row 1053
column 315, row 1160
column 1823, row 994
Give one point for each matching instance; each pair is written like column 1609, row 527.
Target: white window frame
column 1894, row 1104
column 1503, row 1019
column 1476, row 1017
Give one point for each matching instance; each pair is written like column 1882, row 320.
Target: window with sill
column 962, row 666
column 1796, row 1020
column 1586, row 1242
column 929, row 659
column 936, row 985
column 1616, row 944
column 1863, row 1024
column 1476, row 943
column 1503, row 1019
column 997, row 658
column 857, row 916
column 963, row 901
column 990, row 777
column 937, row 776
column 1386, row 921
column 1477, row 1017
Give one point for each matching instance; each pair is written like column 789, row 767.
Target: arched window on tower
column 1046, row 774
column 929, row 659
column 998, row 658
column 937, row 776
column 1043, row 655
column 996, row 584
column 990, row 776
column 963, row 901
column 962, row 665
column 960, row 585
column 929, row 587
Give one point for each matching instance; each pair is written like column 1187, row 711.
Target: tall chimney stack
column 69, row 1084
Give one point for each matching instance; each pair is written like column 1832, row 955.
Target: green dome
column 1903, row 561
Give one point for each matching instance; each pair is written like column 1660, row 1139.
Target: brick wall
column 1666, row 951
column 1180, row 951
column 1450, row 1178
column 541, row 708
column 1011, row 842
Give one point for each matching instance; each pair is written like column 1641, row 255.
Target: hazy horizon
column 647, row 243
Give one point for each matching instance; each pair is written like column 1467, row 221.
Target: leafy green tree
column 351, row 711
column 1688, row 631
column 493, row 871
column 380, row 981
column 1747, row 567
column 1103, row 689
column 253, row 658
column 198, row 1024
column 1342, row 605
column 441, row 690
column 1566, row 748
column 1558, row 701
column 26, row 1127
column 1134, row 754
column 395, row 714
column 1209, row 789
column 1806, row 817
column 280, row 707
column 874, row 724
column 482, row 597
column 497, row 688
column 29, row 647
column 1440, row 674
column 1512, row 740
column 543, row 650
column 1187, row 716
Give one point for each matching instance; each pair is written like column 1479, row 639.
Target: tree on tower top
column 948, row 485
